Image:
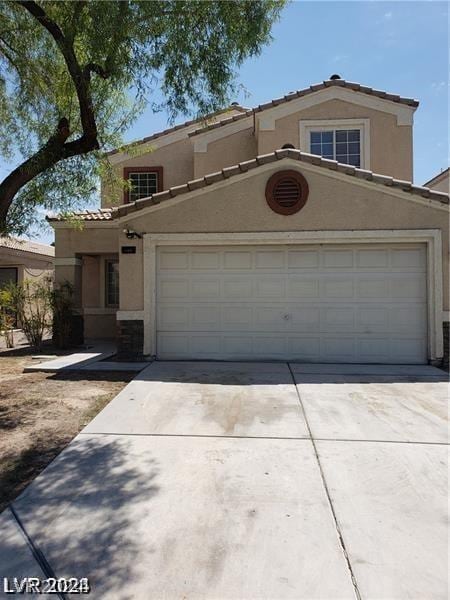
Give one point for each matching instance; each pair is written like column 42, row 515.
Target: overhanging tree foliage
column 67, row 69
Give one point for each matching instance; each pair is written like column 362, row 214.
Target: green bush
column 7, row 319
column 30, row 301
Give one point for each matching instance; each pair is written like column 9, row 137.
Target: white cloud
column 388, row 15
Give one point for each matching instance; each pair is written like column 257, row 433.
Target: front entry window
column 112, row 283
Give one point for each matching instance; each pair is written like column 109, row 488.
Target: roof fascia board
column 274, row 166
column 267, row 117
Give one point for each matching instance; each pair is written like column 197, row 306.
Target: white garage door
column 355, row 303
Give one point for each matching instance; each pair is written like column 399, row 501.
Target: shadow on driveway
column 79, row 511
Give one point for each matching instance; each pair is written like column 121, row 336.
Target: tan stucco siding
column 100, row 327
column 333, row 204
column 131, row 276
column 177, row 161
column 442, row 185
column 225, row 152
column 70, row 242
column 390, row 144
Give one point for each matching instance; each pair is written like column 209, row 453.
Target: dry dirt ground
column 40, row 413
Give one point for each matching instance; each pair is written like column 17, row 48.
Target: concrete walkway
column 243, row 481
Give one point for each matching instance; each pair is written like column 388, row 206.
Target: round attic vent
column 335, row 76
column 286, row 192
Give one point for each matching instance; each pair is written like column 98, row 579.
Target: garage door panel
column 337, row 319
column 173, row 317
column 206, row 289
column 303, row 319
column 239, row 346
column 408, row 288
column 372, row 319
column 337, row 288
column 407, row 318
column 269, row 318
column 271, row 287
column 237, row 259
column 300, row 288
column 372, row 349
column 237, row 289
column 304, row 348
column 201, row 259
column 411, row 349
column 375, row 258
column 408, row 258
column 373, row 288
column 338, row 349
column 170, row 289
column 239, row 317
column 360, row 303
column 339, row 259
column 303, row 259
column 270, row 259
column 173, row 259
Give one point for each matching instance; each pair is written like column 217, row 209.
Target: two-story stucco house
column 287, row 231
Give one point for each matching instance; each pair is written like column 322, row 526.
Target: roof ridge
column 315, row 87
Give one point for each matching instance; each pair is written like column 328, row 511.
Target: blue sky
column 400, row 47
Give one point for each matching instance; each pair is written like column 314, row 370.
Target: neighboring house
column 22, row 260
column 440, row 182
column 287, row 231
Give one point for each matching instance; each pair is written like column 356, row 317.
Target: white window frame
column 308, row 125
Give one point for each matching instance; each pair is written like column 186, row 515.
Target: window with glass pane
column 142, row 185
column 112, row 283
column 343, row 145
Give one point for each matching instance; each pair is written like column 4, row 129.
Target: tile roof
column 102, row 214
column 356, row 87
column 158, row 134
column 26, row 246
column 273, row 157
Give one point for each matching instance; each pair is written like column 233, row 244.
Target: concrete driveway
column 244, row 481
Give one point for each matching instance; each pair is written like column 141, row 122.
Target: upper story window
column 343, row 145
column 344, row 140
column 144, row 181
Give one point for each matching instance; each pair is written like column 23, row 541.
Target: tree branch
column 80, row 79
column 56, row 148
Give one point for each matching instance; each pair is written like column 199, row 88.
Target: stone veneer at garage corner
column 130, row 339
